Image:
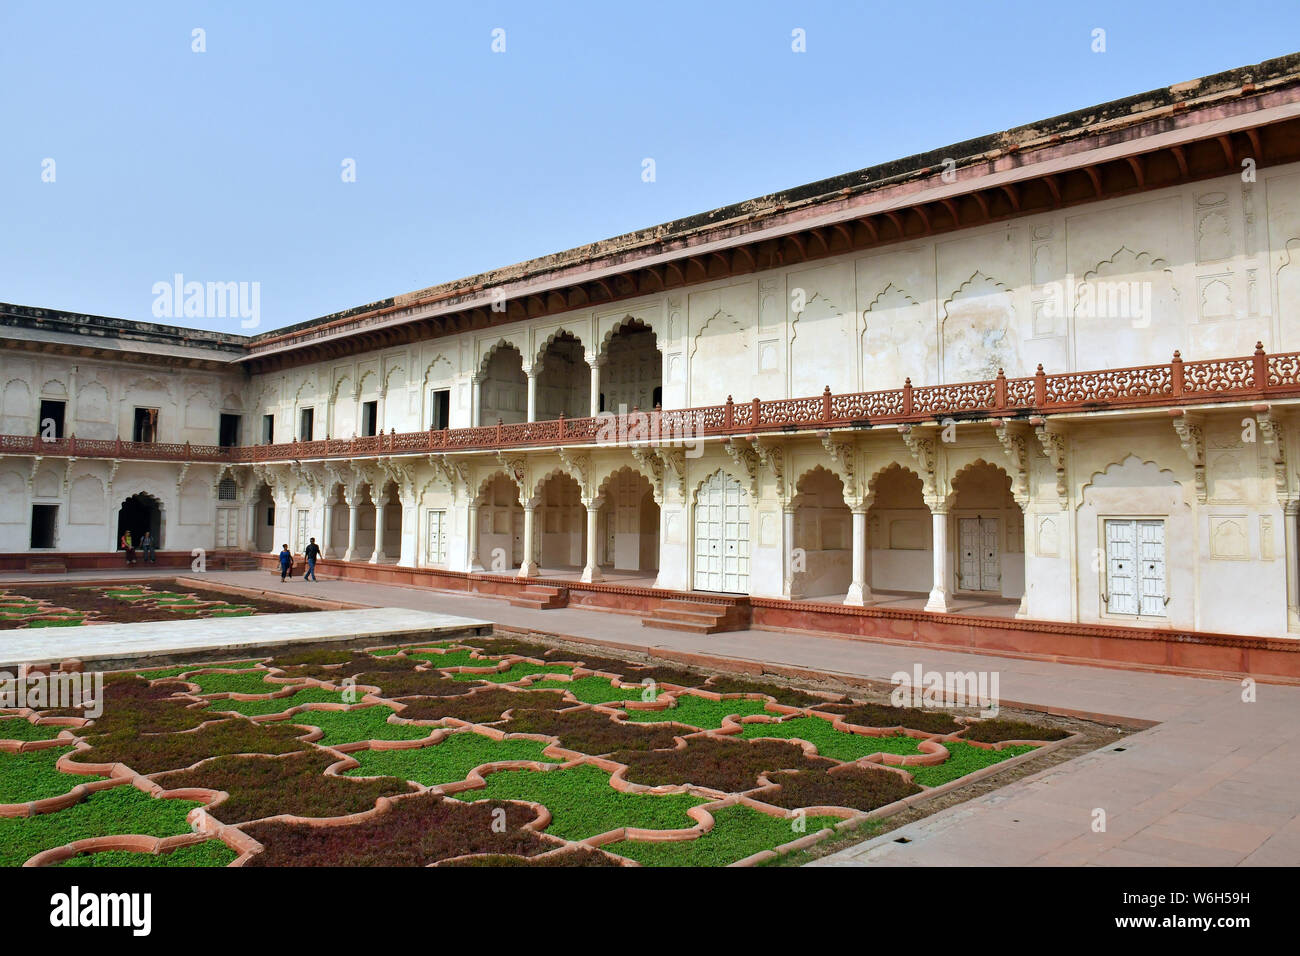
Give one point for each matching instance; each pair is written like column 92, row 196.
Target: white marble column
column 353, row 517
column 408, row 554
column 1290, row 515
column 529, row 567
column 532, row 394
column 940, row 598
column 859, row 591
column 476, row 401
column 472, row 560
column 327, row 532
column 591, row 572
column 787, row 554
column 595, row 386
column 377, row 555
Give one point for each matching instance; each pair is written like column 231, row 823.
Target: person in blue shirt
column 312, row 553
column 286, row 561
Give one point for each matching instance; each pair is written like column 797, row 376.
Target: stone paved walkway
column 1217, row 782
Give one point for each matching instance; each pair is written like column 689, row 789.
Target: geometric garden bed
column 487, row 751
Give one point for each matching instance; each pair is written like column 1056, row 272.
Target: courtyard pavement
column 1216, row 783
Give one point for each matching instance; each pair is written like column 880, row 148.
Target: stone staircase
column 700, row 617
column 541, row 597
column 47, row 566
column 242, row 561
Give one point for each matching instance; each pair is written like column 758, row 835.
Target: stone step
column 540, row 597
column 49, row 566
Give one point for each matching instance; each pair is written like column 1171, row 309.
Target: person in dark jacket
column 150, row 552
column 286, row 562
column 311, row 553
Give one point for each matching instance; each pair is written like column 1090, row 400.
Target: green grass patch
column 699, row 712
column 965, row 759
column 456, row 658
column 445, row 762
column 20, row 728
column 158, row 673
column 738, row 832
column 593, row 690
column 583, row 804
column 311, row 695
column 32, row 776
column 836, row 744
column 207, row 853
column 364, row 723
column 242, row 682
column 118, row 810
column 516, row 672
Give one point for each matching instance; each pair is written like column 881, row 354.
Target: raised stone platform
column 111, row 646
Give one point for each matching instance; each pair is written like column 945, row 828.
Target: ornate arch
column 611, row 471
column 602, row 350
column 726, row 473
column 491, row 477
column 491, row 350
column 807, row 472
column 550, row 339
column 552, row 473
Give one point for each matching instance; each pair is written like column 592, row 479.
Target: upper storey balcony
column 1251, row 378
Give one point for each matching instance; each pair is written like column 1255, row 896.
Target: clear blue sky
column 225, row 165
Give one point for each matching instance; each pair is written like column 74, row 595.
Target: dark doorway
column 369, row 418
column 44, row 519
column 146, row 425
column 228, row 437
column 306, row 422
column 140, row 513
column 51, row 423
column 268, row 429
column 441, row 409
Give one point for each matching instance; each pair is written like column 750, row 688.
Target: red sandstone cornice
column 1186, row 133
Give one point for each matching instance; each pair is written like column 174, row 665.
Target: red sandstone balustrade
column 1179, row 382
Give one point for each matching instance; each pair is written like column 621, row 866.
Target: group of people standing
column 147, row 545
column 311, row 553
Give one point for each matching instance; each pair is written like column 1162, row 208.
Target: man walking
column 311, row 553
column 286, row 562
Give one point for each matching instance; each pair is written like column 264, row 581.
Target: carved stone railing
column 1254, row 376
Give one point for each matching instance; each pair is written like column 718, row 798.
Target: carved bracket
column 746, row 458
column 579, row 466
column 772, row 455
column 841, row 454
column 1270, row 433
column 921, row 445
column 1052, row 440
column 645, row 457
column 1192, row 437
column 1016, row 452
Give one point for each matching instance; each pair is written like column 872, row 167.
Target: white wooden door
column 722, row 536
column 979, row 554
column 227, row 528
column 1135, row 567
column 304, row 522
column 437, row 541
column 1151, row 568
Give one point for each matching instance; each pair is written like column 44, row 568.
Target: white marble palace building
column 1054, row 369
